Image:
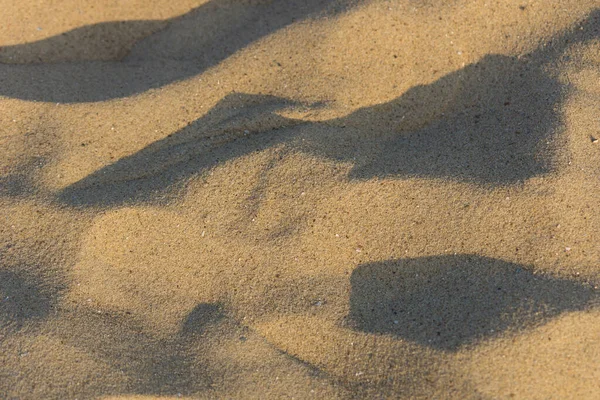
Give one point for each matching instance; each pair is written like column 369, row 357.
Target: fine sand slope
column 300, row 199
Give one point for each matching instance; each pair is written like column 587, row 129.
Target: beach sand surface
column 300, row 199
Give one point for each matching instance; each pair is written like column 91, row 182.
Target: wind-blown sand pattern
column 300, row 199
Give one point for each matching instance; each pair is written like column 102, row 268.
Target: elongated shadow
column 447, row 302
column 64, row 70
column 492, row 123
column 238, row 125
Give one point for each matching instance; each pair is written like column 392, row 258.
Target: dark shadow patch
column 102, row 41
column 491, row 123
column 447, row 302
column 201, row 316
column 172, row 368
column 156, row 366
column 25, row 297
column 473, row 125
column 189, row 45
column 20, row 181
column 16, row 185
column 156, row 172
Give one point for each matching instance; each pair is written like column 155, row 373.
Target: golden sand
column 300, row 199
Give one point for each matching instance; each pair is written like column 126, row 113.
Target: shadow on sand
column 154, row 366
column 26, row 297
column 447, row 302
column 491, row 123
column 146, row 365
column 61, row 68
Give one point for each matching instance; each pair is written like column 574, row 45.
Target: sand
column 300, row 199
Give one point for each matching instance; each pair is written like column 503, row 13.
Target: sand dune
column 300, row 199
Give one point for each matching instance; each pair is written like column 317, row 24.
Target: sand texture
column 328, row 199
